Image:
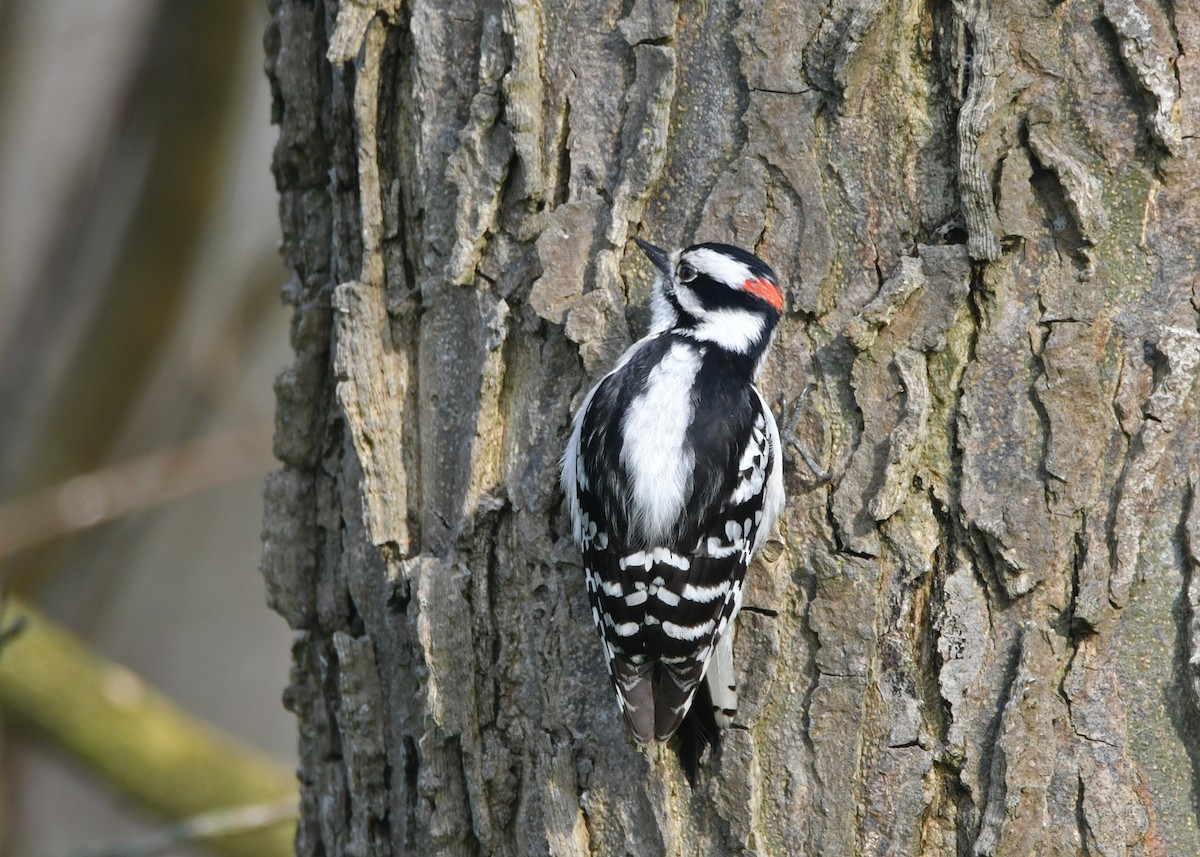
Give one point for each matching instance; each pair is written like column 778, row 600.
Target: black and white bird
column 673, row 475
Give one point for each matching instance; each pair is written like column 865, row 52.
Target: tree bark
column 981, row 636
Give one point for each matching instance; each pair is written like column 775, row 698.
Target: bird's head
column 716, row 293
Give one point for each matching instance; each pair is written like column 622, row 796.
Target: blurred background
column 140, row 330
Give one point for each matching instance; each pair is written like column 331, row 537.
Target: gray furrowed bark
column 980, row 637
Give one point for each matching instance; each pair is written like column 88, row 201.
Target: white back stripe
column 654, row 451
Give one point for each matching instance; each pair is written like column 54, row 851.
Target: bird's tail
column 698, row 732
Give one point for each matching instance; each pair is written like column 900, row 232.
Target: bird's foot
column 789, row 437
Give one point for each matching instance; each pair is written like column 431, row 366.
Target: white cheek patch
column 735, row 330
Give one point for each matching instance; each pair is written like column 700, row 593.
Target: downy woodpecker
column 674, row 481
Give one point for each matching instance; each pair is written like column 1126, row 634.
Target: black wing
column 662, row 608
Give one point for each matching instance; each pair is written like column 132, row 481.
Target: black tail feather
column 697, row 732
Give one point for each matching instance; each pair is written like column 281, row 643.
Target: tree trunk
column 981, row 636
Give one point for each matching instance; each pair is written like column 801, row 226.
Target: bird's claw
column 790, row 439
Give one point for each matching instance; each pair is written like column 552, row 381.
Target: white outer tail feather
column 721, row 681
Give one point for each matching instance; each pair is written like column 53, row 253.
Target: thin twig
column 210, row 825
column 8, row 629
column 139, row 483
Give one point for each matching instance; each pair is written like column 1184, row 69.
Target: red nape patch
column 766, row 290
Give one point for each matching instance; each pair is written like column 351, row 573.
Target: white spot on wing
column 718, row 550
column 687, row 632
column 754, row 460
column 753, row 449
column 628, row 683
column 668, row 557
column 667, row 597
column 635, row 560
column 705, row 594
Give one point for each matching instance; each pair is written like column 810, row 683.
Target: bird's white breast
column 655, row 451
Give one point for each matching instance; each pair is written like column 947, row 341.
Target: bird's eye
column 686, row 273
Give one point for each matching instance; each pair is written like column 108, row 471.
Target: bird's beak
column 660, row 258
